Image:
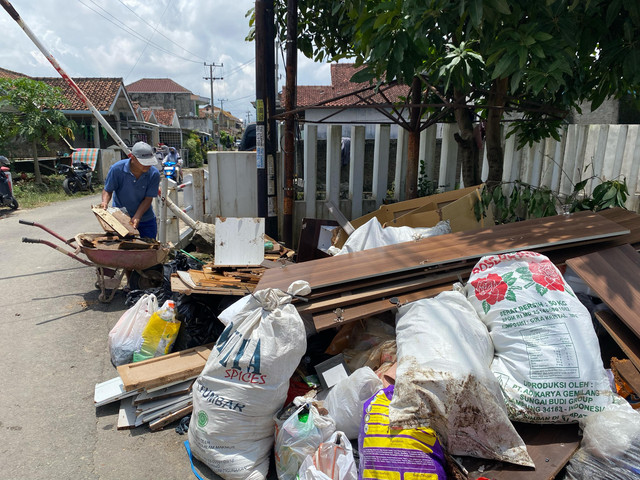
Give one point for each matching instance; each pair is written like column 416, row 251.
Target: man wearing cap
column 133, row 183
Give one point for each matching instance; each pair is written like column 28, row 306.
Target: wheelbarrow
column 105, row 252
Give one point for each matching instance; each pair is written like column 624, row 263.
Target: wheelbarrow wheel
column 150, row 278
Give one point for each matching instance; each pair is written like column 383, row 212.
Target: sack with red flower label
column 547, row 358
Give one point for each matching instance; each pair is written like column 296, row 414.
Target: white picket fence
column 604, row 152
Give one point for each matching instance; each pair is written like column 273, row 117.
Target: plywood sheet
column 621, row 334
column 163, row 370
column 613, row 274
column 549, row 446
column 239, row 241
column 443, row 249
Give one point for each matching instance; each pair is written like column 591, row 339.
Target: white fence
column 603, row 151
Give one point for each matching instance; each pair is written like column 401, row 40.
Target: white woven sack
column 245, row 382
column 547, row 356
column 444, row 381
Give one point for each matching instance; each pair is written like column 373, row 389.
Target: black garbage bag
column 199, row 317
column 180, row 262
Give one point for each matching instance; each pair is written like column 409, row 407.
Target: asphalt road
column 54, row 351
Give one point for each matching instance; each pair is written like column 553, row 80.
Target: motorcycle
column 6, row 185
column 78, row 177
column 171, row 170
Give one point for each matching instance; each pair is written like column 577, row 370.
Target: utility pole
column 290, row 90
column 265, row 109
column 211, row 78
column 248, row 117
column 222, row 100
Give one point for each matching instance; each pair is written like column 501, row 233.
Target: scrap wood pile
column 423, row 336
column 230, row 280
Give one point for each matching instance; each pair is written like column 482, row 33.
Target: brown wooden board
column 443, row 249
column 164, row 370
column 116, row 222
column 621, row 334
column 162, row 422
column 308, row 241
column 613, row 274
column 351, row 313
column 179, row 286
column 549, row 446
column 628, row 372
column 375, row 293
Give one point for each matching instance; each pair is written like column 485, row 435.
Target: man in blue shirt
column 133, row 183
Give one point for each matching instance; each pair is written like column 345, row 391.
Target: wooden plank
column 549, row 446
column 166, row 369
column 628, row 372
column 613, row 275
column 117, row 222
column 621, row 334
column 529, row 235
column 325, row 320
column 178, row 286
column 162, row 422
column 164, row 412
column 126, row 414
column 178, row 389
column 383, row 291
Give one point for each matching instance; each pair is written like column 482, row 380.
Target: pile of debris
column 400, row 359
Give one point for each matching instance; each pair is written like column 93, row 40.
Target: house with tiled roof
column 175, row 107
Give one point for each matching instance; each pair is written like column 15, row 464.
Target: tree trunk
column 466, row 142
column 36, row 164
column 413, row 155
column 495, row 156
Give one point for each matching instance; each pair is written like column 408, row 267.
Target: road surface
column 54, row 351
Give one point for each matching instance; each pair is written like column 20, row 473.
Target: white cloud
column 90, row 38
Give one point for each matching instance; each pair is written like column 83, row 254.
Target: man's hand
column 103, row 205
column 134, row 222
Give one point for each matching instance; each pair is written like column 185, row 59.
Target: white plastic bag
column 346, row 398
column 333, row 460
column 245, row 382
column 372, row 235
column 547, row 356
column 126, row 336
column 444, row 381
column 296, row 438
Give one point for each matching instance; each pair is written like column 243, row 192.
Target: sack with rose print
column 547, row 357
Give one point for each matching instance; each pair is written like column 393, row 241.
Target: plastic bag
column 444, row 381
column 126, row 336
column 245, row 382
column 346, row 398
column 159, row 334
column 610, row 447
column 333, row 460
column 296, row 438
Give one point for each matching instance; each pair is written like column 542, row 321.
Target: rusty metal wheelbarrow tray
column 118, row 258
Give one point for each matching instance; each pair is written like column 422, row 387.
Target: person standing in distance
column 133, row 184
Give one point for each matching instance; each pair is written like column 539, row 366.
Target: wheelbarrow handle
column 49, row 231
column 58, row 248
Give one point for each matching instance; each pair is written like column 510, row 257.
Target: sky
column 133, row 39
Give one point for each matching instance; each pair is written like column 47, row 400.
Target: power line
column 147, row 44
column 159, row 33
column 132, row 32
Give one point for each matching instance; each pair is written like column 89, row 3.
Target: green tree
column 480, row 58
column 31, row 113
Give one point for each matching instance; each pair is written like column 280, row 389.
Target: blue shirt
column 129, row 191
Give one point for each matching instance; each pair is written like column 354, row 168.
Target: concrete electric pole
column 211, row 78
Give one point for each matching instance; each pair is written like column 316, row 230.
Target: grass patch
column 31, row 195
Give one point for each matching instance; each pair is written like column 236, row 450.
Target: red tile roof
column 341, row 85
column 156, row 85
column 4, row 73
column 165, row 117
column 146, row 114
column 101, row 92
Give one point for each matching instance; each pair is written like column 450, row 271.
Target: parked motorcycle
column 6, row 185
column 78, row 177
